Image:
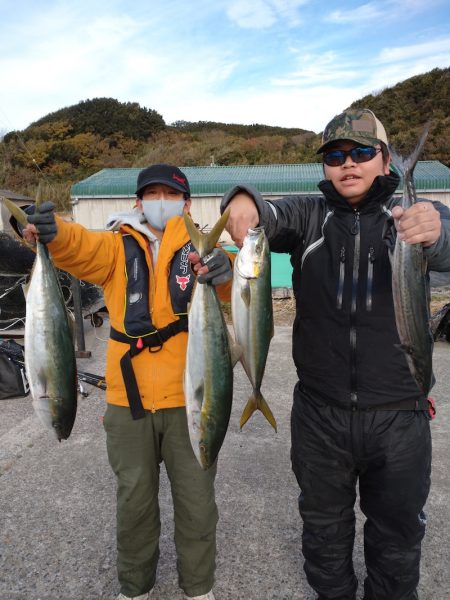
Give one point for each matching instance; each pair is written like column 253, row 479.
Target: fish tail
column 204, row 243
column 38, row 200
column 406, row 165
column 16, row 212
column 257, row 401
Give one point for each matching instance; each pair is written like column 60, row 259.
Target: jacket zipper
column 355, row 230
column 371, row 259
column 340, row 291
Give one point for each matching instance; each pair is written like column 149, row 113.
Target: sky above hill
column 292, row 63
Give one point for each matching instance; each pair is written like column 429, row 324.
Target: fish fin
column 16, row 212
column 257, row 401
column 199, row 392
column 194, row 233
column 72, row 323
column 25, row 288
column 245, row 295
column 249, row 409
column 408, row 350
column 215, row 233
column 205, row 243
column 406, row 165
column 38, row 199
column 235, row 352
column 265, row 409
column 235, row 349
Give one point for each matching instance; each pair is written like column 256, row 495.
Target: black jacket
column 345, row 340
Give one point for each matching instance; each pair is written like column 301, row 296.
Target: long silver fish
column 208, row 378
column 49, row 352
column 252, row 314
column 409, row 285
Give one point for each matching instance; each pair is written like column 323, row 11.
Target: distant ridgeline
column 72, row 143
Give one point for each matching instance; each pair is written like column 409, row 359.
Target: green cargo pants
column 135, row 451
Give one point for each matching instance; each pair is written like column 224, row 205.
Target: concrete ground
column 57, row 500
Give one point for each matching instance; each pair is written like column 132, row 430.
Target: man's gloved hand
column 44, row 221
column 219, row 268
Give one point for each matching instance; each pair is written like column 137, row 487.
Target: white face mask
column 158, row 212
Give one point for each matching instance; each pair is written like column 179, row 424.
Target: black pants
column 390, row 453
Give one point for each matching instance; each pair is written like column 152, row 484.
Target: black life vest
column 140, row 331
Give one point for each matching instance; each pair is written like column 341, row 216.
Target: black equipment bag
column 13, row 379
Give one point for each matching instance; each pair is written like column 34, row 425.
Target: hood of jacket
column 382, row 187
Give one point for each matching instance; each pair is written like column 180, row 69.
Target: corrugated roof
column 14, row 196
column 269, row 179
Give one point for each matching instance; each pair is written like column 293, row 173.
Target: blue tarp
column 281, row 268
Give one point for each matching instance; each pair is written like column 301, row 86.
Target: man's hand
column 214, row 268
column 43, row 224
column 420, row 224
column 243, row 216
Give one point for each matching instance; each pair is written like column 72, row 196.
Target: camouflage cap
column 356, row 124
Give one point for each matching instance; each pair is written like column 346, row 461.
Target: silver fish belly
column 410, row 289
column 208, row 378
column 49, row 352
column 252, row 313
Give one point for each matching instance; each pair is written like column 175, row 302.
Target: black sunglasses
column 336, row 158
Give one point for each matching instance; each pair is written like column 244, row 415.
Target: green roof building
column 269, row 179
column 113, row 190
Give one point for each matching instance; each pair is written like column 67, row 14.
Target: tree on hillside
column 104, row 117
column 75, row 142
column 406, row 107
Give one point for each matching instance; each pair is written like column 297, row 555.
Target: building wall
column 443, row 197
column 93, row 213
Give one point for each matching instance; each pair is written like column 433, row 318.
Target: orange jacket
column 99, row 257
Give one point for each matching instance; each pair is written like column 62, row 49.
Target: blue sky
column 293, row 63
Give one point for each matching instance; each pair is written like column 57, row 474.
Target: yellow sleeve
column 89, row 255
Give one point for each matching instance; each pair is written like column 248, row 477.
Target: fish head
column 253, row 255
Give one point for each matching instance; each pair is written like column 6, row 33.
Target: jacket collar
column 381, row 190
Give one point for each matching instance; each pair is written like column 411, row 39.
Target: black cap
column 166, row 174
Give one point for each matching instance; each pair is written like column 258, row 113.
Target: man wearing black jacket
column 357, row 415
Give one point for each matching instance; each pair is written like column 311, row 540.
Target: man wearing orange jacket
column 146, row 267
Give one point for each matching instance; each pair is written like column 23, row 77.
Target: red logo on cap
column 183, row 281
column 179, row 179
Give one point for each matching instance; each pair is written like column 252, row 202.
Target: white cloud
column 317, row 70
column 262, row 14
column 382, row 10
column 362, row 14
column 430, row 49
column 308, row 109
column 255, row 15
column 79, row 58
column 189, row 62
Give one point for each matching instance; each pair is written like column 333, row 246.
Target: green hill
column 74, row 142
column 406, row 107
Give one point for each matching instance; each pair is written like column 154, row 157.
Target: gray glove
column 44, row 221
column 219, row 266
